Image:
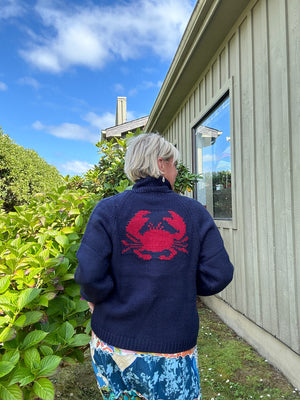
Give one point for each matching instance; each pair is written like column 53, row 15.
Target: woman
column 145, row 256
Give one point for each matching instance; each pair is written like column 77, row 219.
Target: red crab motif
column 156, row 239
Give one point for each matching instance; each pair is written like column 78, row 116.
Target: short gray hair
column 142, row 154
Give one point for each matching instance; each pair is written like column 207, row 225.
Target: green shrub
column 23, row 173
column 185, row 180
column 107, row 177
column 43, row 321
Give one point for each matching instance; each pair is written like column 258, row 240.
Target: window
column 213, row 160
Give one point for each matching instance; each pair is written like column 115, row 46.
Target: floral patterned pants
column 126, row 375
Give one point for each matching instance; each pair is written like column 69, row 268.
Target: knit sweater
column 145, row 256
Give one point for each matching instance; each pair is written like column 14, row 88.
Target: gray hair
column 142, row 154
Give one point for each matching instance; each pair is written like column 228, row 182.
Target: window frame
column 227, row 90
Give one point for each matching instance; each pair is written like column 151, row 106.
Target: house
column 122, row 127
column 231, row 104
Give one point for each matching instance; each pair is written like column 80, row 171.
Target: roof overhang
column 118, row 130
column 208, row 26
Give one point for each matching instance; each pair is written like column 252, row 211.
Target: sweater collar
column 150, row 184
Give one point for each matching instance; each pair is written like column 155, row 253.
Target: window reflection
column 213, row 160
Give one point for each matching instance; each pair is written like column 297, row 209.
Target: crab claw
column 136, row 223
column 177, row 223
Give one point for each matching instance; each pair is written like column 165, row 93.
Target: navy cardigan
column 145, row 255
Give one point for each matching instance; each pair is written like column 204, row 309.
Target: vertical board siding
column 284, row 252
column 262, row 56
column 215, row 77
column 229, row 293
column 263, row 169
column 293, row 23
column 239, row 255
column 223, row 67
column 248, row 182
column 197, row 105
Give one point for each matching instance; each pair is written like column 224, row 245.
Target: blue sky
column 63, row 64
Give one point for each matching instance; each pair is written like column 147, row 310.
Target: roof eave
column 118, row 130
column 209, row 24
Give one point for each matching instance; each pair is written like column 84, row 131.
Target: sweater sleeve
column 94, row 254
column 215, row 270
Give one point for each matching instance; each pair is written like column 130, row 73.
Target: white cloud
column 227, row 151
column 131, row 115
column 209, row 158
column 3, row 86
column 76, row 167
column 38, row 126
column 144, row 86
column 90, row 133
column 11, row 8
column 29, row 81
column 224, row 166
column 101, row 121
column 69, row 131
column 74, row 132
column 93, row 35
column 118, row 87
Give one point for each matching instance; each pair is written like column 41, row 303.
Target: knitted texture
column 145, row 255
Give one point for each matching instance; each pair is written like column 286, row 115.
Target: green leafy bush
column 111, row 175
column 43, row 321
column 23, row 173
column 185, row 180
column 107, row 177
